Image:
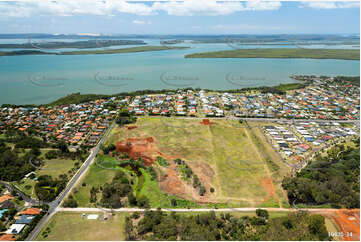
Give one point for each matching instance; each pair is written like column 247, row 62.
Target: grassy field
column 225, row 154
column 72, row 227
column 113, row 134
column 96, row 177
column 274, row 162
column 343, row 54
column 158, row 198
column 332, row 227
column 26, row 186
column 68, row 226
column 56, row 167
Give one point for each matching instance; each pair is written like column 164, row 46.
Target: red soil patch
column 172, row 184
column 132, row 127
column 143, row 148
column 268, row 186
column 206, row 122
column 138, row 148
column 348, row 222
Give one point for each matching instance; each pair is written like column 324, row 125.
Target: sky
column 179, row 17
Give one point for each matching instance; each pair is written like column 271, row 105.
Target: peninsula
column 342, row 54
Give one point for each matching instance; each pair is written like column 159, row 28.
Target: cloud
column 244, row 27
column 71, row 8
column 212, row 7
column 141, row 22
column 330, row 5
column 112, row 7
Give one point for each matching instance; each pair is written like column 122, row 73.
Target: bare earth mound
column 206, row 122
column 136, row 148
column 171, row 182
column 348, row 222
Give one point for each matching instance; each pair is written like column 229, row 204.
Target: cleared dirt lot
column 347, row 222
column 223, row 154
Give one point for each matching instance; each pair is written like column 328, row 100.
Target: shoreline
column 282, row 53
column 93, row 52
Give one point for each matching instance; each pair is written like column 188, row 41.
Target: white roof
column 15, row 229
column 93, row 216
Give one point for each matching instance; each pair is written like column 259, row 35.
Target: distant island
column 92, row 52
column 342, row 54
column 97, row 43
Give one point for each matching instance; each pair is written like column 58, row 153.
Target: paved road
column 263, row 119
column 54, row 205
column 25, row 197
column 129, row 210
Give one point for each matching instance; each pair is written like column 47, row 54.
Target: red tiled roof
column 5, row 198
column 7, row 237
column 31, row 211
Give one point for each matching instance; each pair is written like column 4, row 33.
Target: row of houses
column 83, row 124
column 15, row 223
column 75, row 124
column 295, row 141
column 323, row 99
column 181, row 103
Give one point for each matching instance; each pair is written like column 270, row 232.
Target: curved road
column 25, row 197
column 54, row 205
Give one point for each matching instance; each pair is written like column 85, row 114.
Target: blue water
column 2, row 211
column 42, row 79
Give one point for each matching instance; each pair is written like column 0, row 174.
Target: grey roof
column 24, row 219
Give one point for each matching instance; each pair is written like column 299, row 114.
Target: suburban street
column 54, row 205
column 263, row 119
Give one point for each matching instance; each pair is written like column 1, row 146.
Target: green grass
column 110, row 162
column 56, row 167
column 163, row 162
column 210, row 146
column 26, row 186
column 237, row 160
column 19, row 202
column 270, row 203
column 344, row 54
column 113, row 134
column 144, row 186
column 157, row 197
column 96, row 177
column 71, row 226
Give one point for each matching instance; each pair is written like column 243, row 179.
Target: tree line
column 333, row 180
column 158, row 225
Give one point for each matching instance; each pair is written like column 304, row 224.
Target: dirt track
column 268, row 186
